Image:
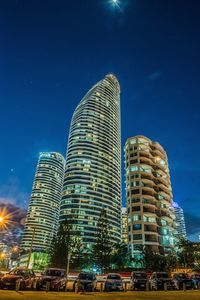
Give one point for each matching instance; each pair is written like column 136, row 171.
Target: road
column 170, row 295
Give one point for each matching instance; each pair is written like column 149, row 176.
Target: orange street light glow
column 5, row 219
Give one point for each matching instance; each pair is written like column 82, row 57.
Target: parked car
column 25, row 276
column 113, row 282
column 85, row 281
column 159, row 280
column 56, row 277
column 196, row 280
column 139, row 280
column 182, row 278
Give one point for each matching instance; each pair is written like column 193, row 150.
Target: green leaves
column 102, row 249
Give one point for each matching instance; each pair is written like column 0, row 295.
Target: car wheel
column 74, row 287
column 58, row 288
column 22, row 286
column 64, row 288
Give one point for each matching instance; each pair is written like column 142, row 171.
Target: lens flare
column 5, row 219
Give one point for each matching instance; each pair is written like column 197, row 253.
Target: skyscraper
column 151, row 219
column 180, row 221
column 43, row 211
column 92, row 175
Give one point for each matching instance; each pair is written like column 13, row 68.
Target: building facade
column 124, row 226
column 151, row 218
column 92, row 180
column 43, row 211
column 180, row 222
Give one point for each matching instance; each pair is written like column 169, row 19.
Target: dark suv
column 55, row 277
column 139, row 280
column 85, row 282
column 181, row 280
column 160, row 280
column 24, row 276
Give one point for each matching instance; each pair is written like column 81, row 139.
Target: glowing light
column 5, row 219
column 15, row 249
column 3, row 255
column 115, row 2
column 116, row 5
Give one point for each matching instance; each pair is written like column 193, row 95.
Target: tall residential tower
column 151, row 219
column 92, row 179
column 180, row 222
column 43, row 211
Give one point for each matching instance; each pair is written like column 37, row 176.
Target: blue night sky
column 53, row 51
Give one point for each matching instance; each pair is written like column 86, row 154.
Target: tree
column 152, row 261
column 186, row 254
column 79, row 255
column 171, row 261
column 120, row 258
column 102, row 249
column 156, row 262
column 60, row 247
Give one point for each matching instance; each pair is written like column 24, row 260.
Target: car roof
column 22, row 268
column 55, row 269
column 160, row 272
column 86, row 273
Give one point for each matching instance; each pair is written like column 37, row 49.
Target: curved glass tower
column 92, row 177
column 43, row 211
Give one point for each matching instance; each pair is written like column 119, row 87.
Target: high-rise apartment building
column 151, row 219
column 92, row 175
column 124, row 226
column 180, row 221
column 43, row 211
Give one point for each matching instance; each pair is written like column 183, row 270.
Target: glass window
column 136, row 217
column 137, row 227
column 134, row 168
column 137, row 236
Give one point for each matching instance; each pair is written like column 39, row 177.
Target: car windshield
column 162, row 275
column 85, row 276
column 57, row 273
column 114, row 276
column 183, row 276
column 140, row 275
column 18, row 272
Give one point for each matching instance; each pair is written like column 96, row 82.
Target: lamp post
column 67, row 271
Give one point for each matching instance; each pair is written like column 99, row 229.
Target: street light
column 3, row 255
column 5, row 219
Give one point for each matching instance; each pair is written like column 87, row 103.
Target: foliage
column 102, row 249
column 120, row 258
column 60, row 247
column 79, row 255
column 66, row 245
column 156, row 262
column 187, row 253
